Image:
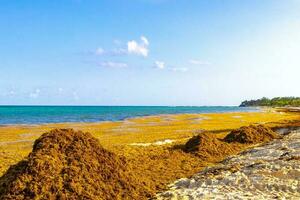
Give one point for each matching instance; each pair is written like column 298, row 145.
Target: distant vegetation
column 277, row 101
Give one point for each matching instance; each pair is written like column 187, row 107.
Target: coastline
column 43, row 115
column 207, row 121
column 157, row 160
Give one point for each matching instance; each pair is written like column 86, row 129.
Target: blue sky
column 148, row 52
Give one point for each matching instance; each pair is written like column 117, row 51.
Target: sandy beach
column 149, row 99
column 16, row 140
column 151, row 145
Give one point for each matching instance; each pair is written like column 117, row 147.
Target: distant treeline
column 277, row 101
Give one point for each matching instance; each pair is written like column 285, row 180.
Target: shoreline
column 157, row 157
column 128, row 118
column 254, row 109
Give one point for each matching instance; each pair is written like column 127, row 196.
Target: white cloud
column 198, row 62
column 179, row 69
column 132, row 47
column 141, row 49
column 159, row 64
column 35, row 94
column 113, row 64
column 145, row 40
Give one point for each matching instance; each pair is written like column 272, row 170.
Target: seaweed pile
column 68, row 164
column 251, row 134
column 209, row 147
column 65, row 164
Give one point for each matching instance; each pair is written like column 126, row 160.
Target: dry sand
column 270, row 171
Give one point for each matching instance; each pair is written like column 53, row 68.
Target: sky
column 148, row 52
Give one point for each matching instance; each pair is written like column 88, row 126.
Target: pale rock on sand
column 271, row 171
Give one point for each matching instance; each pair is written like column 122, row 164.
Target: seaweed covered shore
column 68, row 164
column 145, row 155
column 129, row 137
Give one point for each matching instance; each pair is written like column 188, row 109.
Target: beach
column 149, row 100
column 152, row 145
column 269, row 171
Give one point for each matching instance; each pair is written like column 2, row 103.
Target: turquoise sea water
column 57, row 114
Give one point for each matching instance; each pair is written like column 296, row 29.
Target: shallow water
column 59, row 114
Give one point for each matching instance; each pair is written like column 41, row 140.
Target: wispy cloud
column 145, row 40
column 162, row 66
column 99, row 51
column 159, row 64
column 9, row 93
column 118, row 51
column 60, row 90
column 35, row 94
column 198, row 62
column 111, row 64
column 12, row 92
column 114, row 52
column 178, row 69
column 138, row 48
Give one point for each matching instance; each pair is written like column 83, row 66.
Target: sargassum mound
column 251, row 134
column 209, row 147
column 65, row 164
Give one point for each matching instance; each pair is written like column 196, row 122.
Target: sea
column 61, row 114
